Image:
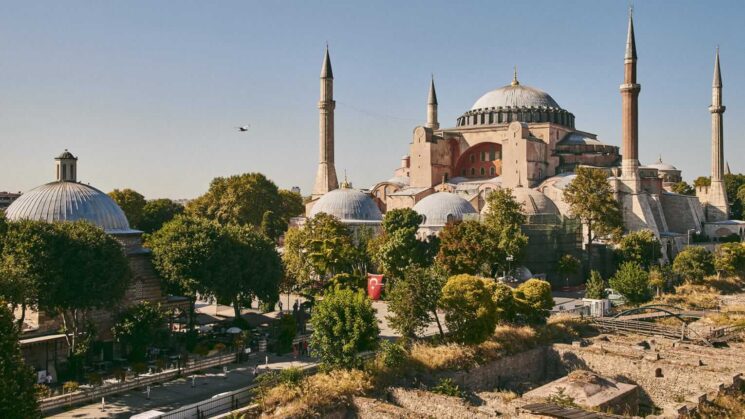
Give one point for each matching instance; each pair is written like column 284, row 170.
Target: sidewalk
column 180, row 392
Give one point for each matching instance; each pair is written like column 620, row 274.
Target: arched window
column 472, row 157
column 482, row 171
column 473, row 171
column 492, row 171
column 450, row 218
column 463, row 172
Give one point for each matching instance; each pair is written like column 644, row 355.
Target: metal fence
column 91, row 396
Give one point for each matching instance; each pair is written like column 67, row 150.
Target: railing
column 95, row 394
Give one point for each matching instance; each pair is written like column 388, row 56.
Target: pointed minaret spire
column 630, row 113
column 326, row 175
column 514, row 78
column 717, row 206
column 717, row 71
column 432, row 106
column 726, row 169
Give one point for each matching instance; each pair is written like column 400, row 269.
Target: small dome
column 401, row 180
column 69, row 201
column 533, row 201
column 348, row 205
column 442, row 208
column 66, row 155
column 575, row 138
column 659, row 165
column 515, row 96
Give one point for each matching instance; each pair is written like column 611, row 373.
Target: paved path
column 180, row 392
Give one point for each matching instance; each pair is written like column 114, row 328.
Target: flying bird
column 244, row 128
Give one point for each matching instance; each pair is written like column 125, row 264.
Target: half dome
column 442, row 208
column 69, row 201
column 534, row 202
column 348, row 205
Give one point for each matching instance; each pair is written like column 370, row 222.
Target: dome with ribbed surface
column 534, row 202
column 515, row 96
column 69, row 201
column 442, row 208
column 348, row 205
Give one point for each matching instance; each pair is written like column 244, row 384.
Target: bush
column 504, row 301
column 42, row 391
column 641, row 247
column 729, row 260
column 595, row 288
column 201, row 349
column 534, row 301
column 70, row 387
column 632, row 281
column 344, row 324
column 392, row 355
column 470, row 311
column 94, row 378
column 693, row 264
column 447, row 387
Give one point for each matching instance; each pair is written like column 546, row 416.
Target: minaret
column 630, row 111
column 326, row 174
column 717, row 205
column 432, row 106
column 66, row 167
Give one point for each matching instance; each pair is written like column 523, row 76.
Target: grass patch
column 730, row 405
column 690, row 296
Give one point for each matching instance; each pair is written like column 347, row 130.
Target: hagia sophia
column 519, row 137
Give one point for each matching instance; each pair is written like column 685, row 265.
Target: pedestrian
column 295, row 307
column 305, row 347
column 280, row 305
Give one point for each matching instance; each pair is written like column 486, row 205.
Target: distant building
column 7, row 198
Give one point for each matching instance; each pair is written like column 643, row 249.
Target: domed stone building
column 67, row 200
column 441, row 209
column 352, row 207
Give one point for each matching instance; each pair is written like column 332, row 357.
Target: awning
column 39, row 339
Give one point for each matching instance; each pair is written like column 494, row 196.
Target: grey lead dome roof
column 69, row 201
column 441, row 208
column 515, row 96
column 348, row 205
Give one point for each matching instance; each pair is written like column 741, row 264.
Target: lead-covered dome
column 348, row 205
column 442, row 208
column 69, row 201
column 533, row 202
column 515, row 96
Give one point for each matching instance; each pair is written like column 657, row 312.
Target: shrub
column 641, row 247
column 219, row 346
column 504, row 301
column 392, row 355
column 344, row 324
column 201, row 349
column 42, row 391
column 729, row 259
column 470, row 312
column 632, row 281
column 693, row 264
column 534, row 301
column 94, row 379
column 70, row 387
column 595, row 288
column 447, row 387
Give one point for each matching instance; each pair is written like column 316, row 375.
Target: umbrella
column 234, row 330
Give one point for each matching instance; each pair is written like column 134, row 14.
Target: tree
column 322, row 248
column 88, row 271
column 138, row 327
column 253, row 268
column 469, row 248
column 595, row 287
column 399, row 248
column 683, row 188
column 591, row 199
column 632, row 281
column 504, row 217
column 412, row 301
column 534, row 301
column 344, row 324
column 17, row 392
column 25, row 260
column 132, row 203
column 641, row 247
column 470, row 312
column 157, row 212
column 568, row 265
column 239, row 199
column 272, row 226
column 741, row 196
column 729, row 259
column 184, row 251
column 732, row 184
column 657, row 280
column 290, row 205
column 504, row 300
column 701, row 181
column 693, row 264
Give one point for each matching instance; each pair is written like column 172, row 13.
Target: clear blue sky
column 148, row 93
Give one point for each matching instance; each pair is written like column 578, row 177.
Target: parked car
column 616, row 299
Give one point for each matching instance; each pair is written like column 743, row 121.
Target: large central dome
column 515, row 96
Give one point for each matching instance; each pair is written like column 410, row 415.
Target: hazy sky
column 147, row 93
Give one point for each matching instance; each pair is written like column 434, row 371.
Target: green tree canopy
column 139, row 326
column 632, row 281
column 412, row 301
column 729, row 259
column 157, row 212
column 344, row 324
column 504, row 217
column 17, row 392
column 693, row 264
column 470, row 311
column 322, row 248
column 591, row 199
column 399, row 248
column 641, row 247
column 534, row 301
column 683, row 188
column 733, row 183
column 504, row 300
column 701, row 181
column 595, row 287
column 568, row 265
column 132, row 203
column 468, row 247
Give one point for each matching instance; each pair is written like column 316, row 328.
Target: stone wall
column 436, row 405
column 505, row 373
